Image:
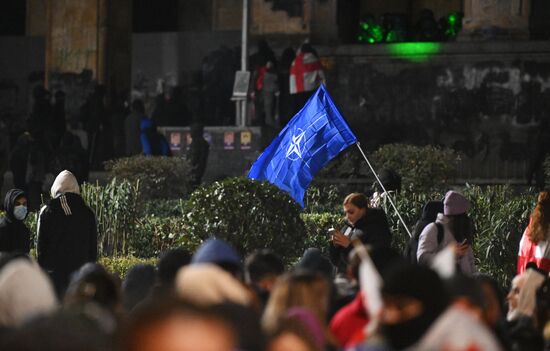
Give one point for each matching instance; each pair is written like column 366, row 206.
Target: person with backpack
column 429, row 215
column 458, row 229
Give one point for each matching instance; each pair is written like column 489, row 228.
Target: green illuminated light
column 452, row 19
column 416, row 52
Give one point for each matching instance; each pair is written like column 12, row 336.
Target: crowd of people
column 363, row 295
column 50, row 141
column 281, row 86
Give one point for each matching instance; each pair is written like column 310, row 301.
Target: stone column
column 496, row 19
column 324, row 27
column 36, row 20
column 93, row 35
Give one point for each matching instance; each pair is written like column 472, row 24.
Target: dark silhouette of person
column 197, row 154
column 94, row 116
column 132, row 130
column 542, row 147
column 28, row 164
column 59, row 125
column 285, row 101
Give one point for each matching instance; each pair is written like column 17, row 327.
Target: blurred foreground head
column 174, row 325
column 25, row 290
column 522, row 295
column 208, row 284
column 297, row 289
column 414, row 296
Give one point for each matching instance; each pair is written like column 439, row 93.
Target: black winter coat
column 14, row 234
column 67, row 237
column 372, row 229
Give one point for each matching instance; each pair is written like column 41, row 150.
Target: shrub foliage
column 422, row 168
column 159, row 177
column 248, row 214
column 499, row 215
column 253, row 215
column 116, row 207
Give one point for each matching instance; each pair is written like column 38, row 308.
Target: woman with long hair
column 297, row 291
column 535, row 243
column 458, row 229
column 362, row 222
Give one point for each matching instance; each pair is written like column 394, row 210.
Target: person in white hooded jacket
column 458, row 229
column 67, row 232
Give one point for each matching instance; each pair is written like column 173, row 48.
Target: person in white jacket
column 458, row 230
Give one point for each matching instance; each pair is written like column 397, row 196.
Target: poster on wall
column 246, row 140
column 175, row 141
column 208, row 137
column 229, row 140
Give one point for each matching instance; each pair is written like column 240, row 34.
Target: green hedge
column 117, row 208
column 422, row 168
column 248, row 214
column 316, row 229
column 254, row 215
column 500, row 216
column 119, row 265
column 154, row 235
column 159, row 177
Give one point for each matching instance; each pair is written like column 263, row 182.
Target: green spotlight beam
column 415, row 52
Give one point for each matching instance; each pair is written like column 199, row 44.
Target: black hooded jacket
column 372, row 229
column 14, row 234
column 67, row 235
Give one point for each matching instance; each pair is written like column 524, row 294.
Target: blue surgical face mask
column 20, row 212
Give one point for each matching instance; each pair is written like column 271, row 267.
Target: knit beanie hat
column 455, row 204
column 216, row 251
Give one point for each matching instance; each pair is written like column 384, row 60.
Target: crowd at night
column 274, row 175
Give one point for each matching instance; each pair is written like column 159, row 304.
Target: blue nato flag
column 312, row 138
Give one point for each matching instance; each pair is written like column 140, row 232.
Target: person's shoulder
column 46, row 210
column 376, row 214
column 430, row 227
column 376, row 211
column 3, row 222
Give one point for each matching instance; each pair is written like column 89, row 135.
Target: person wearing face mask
column 14, row 234
column 365, row 223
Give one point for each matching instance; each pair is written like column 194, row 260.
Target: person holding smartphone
column 458, row 229
column 367, row 224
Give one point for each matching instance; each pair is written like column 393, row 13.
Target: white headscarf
column 65, row 182
column 25, row 291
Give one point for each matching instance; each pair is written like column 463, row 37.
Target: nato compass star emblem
column 295, row 149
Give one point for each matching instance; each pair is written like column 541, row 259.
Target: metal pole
column 244, row 58
column 383, row 188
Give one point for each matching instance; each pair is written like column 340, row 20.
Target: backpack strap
column 440, row 232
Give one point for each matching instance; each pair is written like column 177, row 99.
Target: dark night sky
column 155, row 16
column 148, row 16
column 12, row 17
